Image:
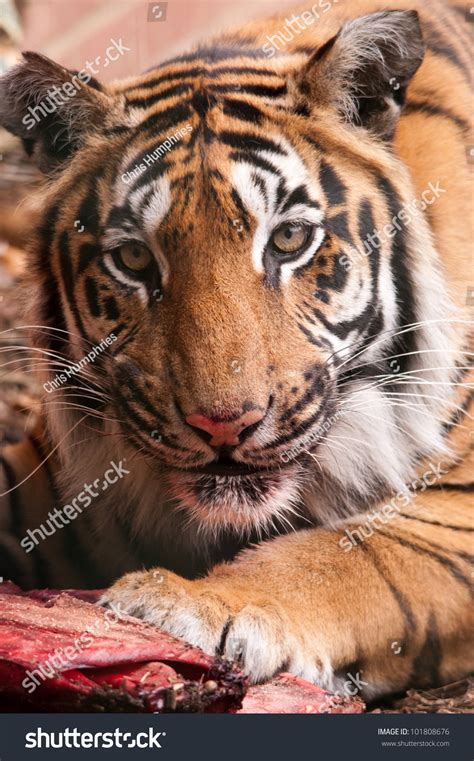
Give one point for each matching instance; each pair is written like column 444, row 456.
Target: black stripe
column 247, row 141
column 262, row 91
column 92, row 296
column 430, row 109
column 69, row 281
column 333, row 187
column 444, row 561
column 281, row 190
column 202, row 102
column 136, row 395
column 339, row 225
column 50, row 307
column 138, row 424
column 298, row 196
column 399, row 263
column 119, row 129
column 435, row 523
column 312, row 339
column 180, row 74
column 88, row 214
column 316, row 388
column 256, row 160
column 301, row 428
column 112, row 310
column 337, row 278
column 239, row 109
column 234, row 70
column 201, row 72
column 466, row 556
column 87, row 253
column 144, row 158
column 164, row 121
column 241, row 209
column 259, row 181
column 153, row 172
column 321, row 296
column 425, row 672
column 149, row 100
column 436, row 43
column 225, row 631
column 366, row 319
column 402, row 601
column 119, row 216
column 452, row 487
column 215, row 54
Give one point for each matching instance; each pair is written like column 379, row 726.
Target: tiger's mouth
column 225, row 466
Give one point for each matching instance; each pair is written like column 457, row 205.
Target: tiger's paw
column 253, row 631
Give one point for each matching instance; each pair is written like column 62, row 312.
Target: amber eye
column 290, row 238
column 133, row 257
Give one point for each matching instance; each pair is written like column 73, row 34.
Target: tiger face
column 231, row 239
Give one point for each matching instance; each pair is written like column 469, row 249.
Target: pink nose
column 225, row 432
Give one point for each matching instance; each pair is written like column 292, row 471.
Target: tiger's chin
column 240, row 503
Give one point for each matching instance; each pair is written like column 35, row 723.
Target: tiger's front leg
column 391, row 612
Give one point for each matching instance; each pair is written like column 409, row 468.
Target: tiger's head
column 235, row 224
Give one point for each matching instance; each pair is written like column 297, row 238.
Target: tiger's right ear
column 53, row 109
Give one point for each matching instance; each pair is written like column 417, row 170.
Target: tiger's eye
column 289, row 238
column 134, row 257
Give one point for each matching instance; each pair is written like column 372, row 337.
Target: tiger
column 248, row 311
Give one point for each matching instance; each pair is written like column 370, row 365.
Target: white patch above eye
column 294, row 174
column 150, row 208
column 152, row 214
column 157, row 204
column 119, row 275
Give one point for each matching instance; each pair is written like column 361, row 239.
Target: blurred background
column 73, row 32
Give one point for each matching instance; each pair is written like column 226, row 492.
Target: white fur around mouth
column 254, row 501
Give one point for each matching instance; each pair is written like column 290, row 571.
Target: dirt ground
column 19, row 394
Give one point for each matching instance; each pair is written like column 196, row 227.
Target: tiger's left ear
column 53, row 110
column 363, row 71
